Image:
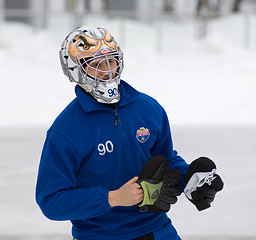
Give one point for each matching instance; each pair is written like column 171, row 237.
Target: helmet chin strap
column 107, row 93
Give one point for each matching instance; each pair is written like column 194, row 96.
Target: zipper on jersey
column 118, row 121
column 116, row 118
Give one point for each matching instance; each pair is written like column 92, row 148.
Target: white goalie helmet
column 91, row 57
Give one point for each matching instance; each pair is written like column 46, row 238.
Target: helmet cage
column 101, row 84
column 112, row 73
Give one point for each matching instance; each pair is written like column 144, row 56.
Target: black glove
column 160, row 185
column 202, row 183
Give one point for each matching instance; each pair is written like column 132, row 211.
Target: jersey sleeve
column 164, row 146
column 57, row 193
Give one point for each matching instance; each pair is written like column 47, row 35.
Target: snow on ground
column 207, row 87
column 198, row 82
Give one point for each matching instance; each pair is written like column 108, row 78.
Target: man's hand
column 127, row 195
column 160, row 185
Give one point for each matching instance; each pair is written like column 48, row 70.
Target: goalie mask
column 91, row 57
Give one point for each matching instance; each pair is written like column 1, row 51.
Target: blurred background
column 196, row 57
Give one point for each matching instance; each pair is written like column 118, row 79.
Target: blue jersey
column 92, row 149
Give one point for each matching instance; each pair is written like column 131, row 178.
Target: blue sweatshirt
column 92, row 149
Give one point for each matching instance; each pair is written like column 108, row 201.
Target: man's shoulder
column 67, row 115
column 137, row 95
column 148, row 100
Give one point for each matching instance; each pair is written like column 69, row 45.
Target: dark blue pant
column 167, row 232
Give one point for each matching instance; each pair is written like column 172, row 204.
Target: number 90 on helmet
column 82, row 54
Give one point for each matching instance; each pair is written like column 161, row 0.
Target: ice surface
column 232, row 215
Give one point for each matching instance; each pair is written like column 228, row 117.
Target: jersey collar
column 88, row 103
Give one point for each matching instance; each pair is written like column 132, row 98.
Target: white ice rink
column 232, row 215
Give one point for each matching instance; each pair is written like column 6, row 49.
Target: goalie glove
column 160, row 185
column 202, row 183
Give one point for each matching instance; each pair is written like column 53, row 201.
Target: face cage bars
column 107, row 76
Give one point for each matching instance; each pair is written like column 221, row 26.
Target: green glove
column 151, row 192
column 160, row 185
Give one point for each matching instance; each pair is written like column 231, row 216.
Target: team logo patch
column 142, row 134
